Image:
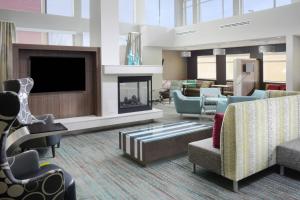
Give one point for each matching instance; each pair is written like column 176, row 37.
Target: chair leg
column 235, row 186
column 194, row 168
column 53, row 151
column 281, row 170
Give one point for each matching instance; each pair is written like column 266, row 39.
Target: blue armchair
column 257, row 94
column 210, row 98
column 186, row 105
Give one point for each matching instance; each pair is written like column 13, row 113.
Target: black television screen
column 55, row 74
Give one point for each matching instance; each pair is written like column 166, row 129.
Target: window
column 167, row 13
column 282, row 2
column 86, row 39
column 230, row 61
column 206, row 67
column 123, row 40
column 152, row 12
column 215, row 9
column 21, row 5
column 60, row 7
column 250, row 6
column 188, row 12
column 85, row 9
column 160, row 12
column 31, row 37
column 227, row 8
column 211, row 10
column 274, row 67
column 56, row 38
column 126, row 11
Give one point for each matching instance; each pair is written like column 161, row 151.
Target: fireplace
column 134, row 93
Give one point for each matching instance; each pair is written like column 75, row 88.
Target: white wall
column 270, row 23
column 157, row 36
column 175, row 66
column 293, row 62
column 153, row 56
column 46, row 22
column 244, row 82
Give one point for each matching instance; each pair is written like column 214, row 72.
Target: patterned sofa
column 250, row 133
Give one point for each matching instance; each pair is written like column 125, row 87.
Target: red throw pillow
column 217, row 130
column 283, row 87
column 273, row 87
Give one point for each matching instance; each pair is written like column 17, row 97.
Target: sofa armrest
column 24, row 163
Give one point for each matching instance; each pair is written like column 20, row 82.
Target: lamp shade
column 266, row 48
column 186, row 54
column 219, row 52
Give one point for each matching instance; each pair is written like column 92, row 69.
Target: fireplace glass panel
column 135, row 94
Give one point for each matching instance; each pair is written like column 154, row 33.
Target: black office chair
column 23, row 87
column 21, row 177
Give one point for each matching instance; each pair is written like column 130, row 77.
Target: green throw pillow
column 191, row 83
column 206, row 84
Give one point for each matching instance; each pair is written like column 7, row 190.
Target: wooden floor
column 102, row 172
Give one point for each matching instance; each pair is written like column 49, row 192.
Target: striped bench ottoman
column 154, row 143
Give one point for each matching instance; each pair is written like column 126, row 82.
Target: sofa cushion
column 260, row 94
column 238, row 99
column 191, row 83
column 205, row 155
column 273, row 87
column 282, row 87
column 206, row 84
column 288, row 154
column 217, row 130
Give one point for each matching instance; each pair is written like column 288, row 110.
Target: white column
column 293, row 62
column 139, row 9
column 77, row 8
column 78, row 38
column 196, row 11
column 95, row 23
column 109, row 55
column 110, row 32
column 178, row 12
column 237, row 7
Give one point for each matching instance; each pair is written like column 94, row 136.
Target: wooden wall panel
column 62, row 104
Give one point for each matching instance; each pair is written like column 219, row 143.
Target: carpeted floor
column 101, row 172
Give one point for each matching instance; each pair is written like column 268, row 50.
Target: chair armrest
column 24, row 163
column 222, row 96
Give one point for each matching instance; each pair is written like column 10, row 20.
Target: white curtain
column 7, row 37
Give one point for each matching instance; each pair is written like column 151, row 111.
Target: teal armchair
column 186, row 105
column 257, row 94
column 210, row 98
column 175, row 85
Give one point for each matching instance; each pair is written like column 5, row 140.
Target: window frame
column 199, row 2
column 133, row 15
column 73, row 9
column 160, row 16
column 184, row 12
column 275, row 5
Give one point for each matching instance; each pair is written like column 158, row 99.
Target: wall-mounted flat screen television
column 57, row 74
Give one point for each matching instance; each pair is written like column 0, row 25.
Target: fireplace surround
column 134, row 93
